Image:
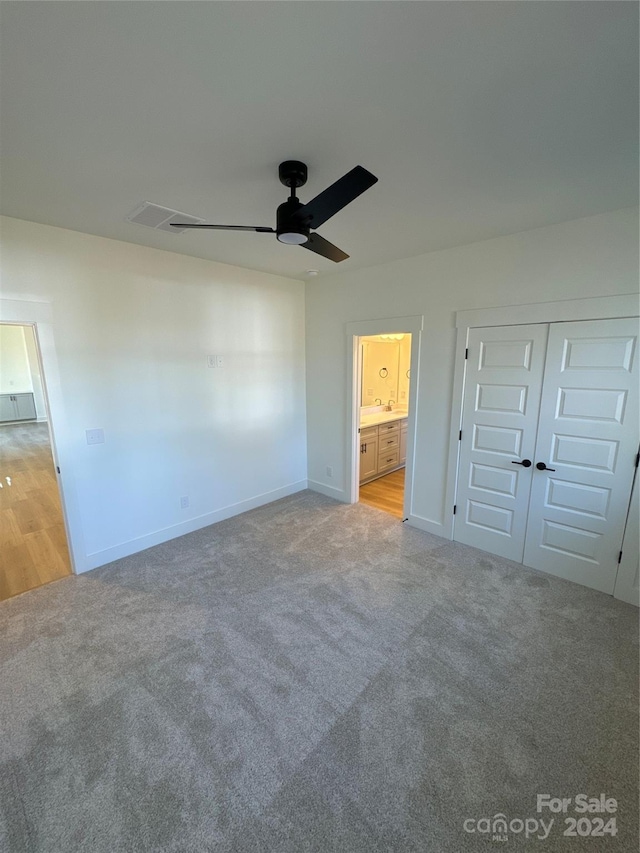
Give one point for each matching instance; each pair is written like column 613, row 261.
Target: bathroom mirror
column 386, row 360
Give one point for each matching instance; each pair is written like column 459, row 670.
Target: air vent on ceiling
column 160, row 218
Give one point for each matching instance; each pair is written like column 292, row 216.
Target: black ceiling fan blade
column 335, row 197
column 221, row 227
column 323, row 247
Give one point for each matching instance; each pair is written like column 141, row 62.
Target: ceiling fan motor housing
column 287, row 229
column 292, row 173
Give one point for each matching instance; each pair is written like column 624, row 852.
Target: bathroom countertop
column 381, row 418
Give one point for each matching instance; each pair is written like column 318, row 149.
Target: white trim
column 569, row 310
column 627, row 587
column 383, row 326
column 414, row 404
column 39, row 315
column 17, row 311
column 354, row 377
column 133, row 546
column 462, row 337
column 328, row 491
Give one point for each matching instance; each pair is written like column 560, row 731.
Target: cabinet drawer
column 388, row 441
column 391, row 427
column 368, row 432
column 388, row 459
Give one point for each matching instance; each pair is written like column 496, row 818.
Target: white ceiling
column 479, row 118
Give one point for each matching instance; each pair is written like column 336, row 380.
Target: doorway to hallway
column 33, row 542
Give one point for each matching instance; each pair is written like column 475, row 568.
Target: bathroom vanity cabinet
column 383, row 448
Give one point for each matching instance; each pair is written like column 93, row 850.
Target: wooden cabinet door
column 7, row 408
column 25, row 407
column 368, row 458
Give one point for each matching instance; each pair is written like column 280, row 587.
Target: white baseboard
column 133, row 546
column 328, row 491
column 630, row 596
column 435, row 527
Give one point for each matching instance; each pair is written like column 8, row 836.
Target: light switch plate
column 95, row 436
column 211, row 361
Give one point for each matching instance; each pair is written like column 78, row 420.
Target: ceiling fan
column 295, row 220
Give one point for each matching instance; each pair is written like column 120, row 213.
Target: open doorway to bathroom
column 33, row 542
column 383, row 388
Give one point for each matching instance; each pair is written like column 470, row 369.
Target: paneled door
column 503, row 383
column 548, row 446
column 585, row 451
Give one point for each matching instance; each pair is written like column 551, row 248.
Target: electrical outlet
column 369, row 392
column 184, row 502
column 329, row 471
column 95, row 436
column 219, row 361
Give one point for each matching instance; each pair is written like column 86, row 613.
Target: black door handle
column 542, row 467
column 526, row 463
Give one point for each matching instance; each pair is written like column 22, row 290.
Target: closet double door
column 548, row 445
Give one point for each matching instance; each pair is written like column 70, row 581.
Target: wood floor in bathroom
column 385, row 493
column 33, row 543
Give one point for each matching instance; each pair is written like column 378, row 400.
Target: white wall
column 132, row 329
column 15, row 376
column 595, row 256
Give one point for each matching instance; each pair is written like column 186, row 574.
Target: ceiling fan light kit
column 295, row 220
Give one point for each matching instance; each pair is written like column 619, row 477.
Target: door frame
column 354, row 331
column 567, row 311
column 39, row 315
column 627, row 586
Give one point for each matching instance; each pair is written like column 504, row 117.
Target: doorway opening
column 33, row 540
column 383, row 400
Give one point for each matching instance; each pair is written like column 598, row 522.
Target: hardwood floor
column 386, row 493
column 33, row 542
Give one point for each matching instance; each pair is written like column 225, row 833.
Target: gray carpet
column 307, row 677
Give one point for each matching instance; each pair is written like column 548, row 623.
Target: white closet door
column 503, row 384
column 588, row 438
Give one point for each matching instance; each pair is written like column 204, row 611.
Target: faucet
column 378, row 401
column 388, row 406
